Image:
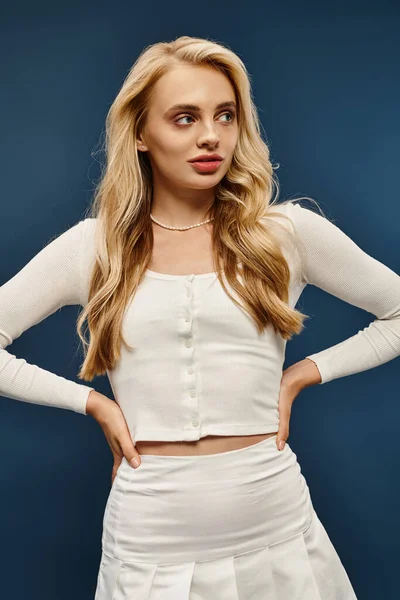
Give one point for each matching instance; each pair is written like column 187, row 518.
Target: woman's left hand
column 294, row 379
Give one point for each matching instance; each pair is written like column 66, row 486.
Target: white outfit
column 237, row 525
column 199, row 367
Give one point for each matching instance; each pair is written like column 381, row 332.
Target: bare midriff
column 210, row 444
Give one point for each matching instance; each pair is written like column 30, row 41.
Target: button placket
column 189, row 384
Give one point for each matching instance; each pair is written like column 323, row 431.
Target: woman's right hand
column 112, row 421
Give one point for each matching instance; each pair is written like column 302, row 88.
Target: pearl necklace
column 180, row 228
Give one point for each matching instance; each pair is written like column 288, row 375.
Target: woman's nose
column 209, row 136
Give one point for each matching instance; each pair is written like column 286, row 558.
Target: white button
column 192, row 393
column 187, row 319
column 190, row 370
column 188, row 344
column 195, row 422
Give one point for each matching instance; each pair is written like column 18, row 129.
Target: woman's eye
column 230, row 114
column 185, row 117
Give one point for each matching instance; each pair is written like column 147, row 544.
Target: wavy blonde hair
column 244, row 229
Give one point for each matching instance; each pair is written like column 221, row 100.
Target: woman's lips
column 206, row 166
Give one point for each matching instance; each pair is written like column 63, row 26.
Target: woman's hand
column 112, row 421
column 294, row 379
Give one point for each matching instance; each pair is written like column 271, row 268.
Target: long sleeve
column 336, row 264
column 50, row 280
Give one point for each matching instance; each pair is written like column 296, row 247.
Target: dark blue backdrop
column 326, row 83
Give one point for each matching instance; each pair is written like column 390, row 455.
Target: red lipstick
column 206, row 163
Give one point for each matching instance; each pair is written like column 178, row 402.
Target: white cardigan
column 199, row 366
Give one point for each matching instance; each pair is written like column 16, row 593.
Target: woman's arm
column 50, row 280
column 335, row 263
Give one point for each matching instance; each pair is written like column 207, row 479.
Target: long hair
column 245, row 229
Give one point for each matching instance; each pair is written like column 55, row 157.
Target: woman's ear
column 140, row 145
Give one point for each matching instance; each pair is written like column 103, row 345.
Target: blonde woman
column 188, row 273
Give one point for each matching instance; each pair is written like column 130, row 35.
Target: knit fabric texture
column 199, row 366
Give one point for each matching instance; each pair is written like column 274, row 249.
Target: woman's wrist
column 301, row 375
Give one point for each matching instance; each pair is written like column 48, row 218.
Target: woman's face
column 173, row 136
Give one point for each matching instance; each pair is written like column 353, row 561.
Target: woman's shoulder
column 89, row 224
column 273, row 213
column 293, row 209
column 89, row 233
column 304, row 222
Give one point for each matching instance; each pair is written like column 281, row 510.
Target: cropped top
column 199, row 366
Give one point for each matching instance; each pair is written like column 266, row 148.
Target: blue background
column 326, row 83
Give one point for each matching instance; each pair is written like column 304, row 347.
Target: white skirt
column 237, row 525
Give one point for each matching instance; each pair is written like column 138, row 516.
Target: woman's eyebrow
column 196, row 108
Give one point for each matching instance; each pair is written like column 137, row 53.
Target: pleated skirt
column 237, row 525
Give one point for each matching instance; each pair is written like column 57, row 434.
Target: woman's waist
column 181, row 508
column 210, row 444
